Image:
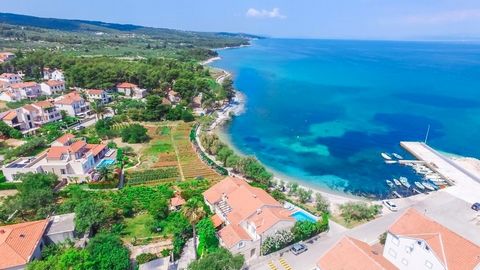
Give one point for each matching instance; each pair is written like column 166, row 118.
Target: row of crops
column 152, row 176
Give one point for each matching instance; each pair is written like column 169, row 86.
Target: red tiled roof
column 97, row 148
column 10, row 115
column 454, row 251
column 56, row 152
column 23, row 85
column 7, row 75
column 268, row 217
column 232, row 234
column 18, row 242
column 30, row 108
column 217, row 221
column 53, row 83
column 69, row 98
column 43, row 104
column 65, row 138
column 95, row 92
column 177, row 200
column 76, row 146
column 352, row 254
column 126, row 85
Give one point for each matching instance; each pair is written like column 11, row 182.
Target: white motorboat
column 395, row 180
column 404, row 181
column 386, row 156
column 419, row 185
column 389, row 183
column 428, row 186
column 397, row 156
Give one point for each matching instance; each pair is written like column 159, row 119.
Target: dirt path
column 180, row 169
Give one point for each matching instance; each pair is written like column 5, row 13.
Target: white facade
column 73, row 104
column 56, row 74
column 98, row 96
column 52, row 87
column 10, row 78
column 411, row 254
column 25, row 89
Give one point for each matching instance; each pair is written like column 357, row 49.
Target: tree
column 223, row 154
column 158, row 208
column 207, row 238
column 108, row 253
column 220, row 259
column 304, row 195
column 194, row 211
column 227, row 86
column 135, row 133
column 105, row 172
column 304, row 229
column 36, row 192
column 358, row 211
column 91, row 214
column 321, row 203
column 99, row 109
column 7, row 131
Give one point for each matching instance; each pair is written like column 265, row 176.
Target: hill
column 101, row 38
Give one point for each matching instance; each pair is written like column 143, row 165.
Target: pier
column 465, row 183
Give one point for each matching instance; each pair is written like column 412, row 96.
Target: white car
column 390, row 205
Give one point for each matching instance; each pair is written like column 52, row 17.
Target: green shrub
column 8, row 185
column 145, row 257
column 359, row 211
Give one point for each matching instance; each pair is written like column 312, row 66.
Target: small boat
column 389, row 183
column 390, row 161
column 397, row 156
column 419, row 185
column 386, row 156
column 395, row 180
column 428, row 186
column 404, row 182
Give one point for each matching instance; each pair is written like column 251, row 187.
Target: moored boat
column 386, row 156
column 404, row 182
column 419, row 185
column 389, row 183
column 395, row 180
column 397, row 156
column 428, row 186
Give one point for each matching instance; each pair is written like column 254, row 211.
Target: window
column 395, row 241
column 392, row 253
column 241, row 244
column 62, row 171
column 404, row 261
column 428, row 264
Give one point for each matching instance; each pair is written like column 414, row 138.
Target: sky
column 342, row 19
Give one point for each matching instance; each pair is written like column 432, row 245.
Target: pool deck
column 296, row 209
column 465, row 184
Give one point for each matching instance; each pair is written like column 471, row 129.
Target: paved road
column 448, row 210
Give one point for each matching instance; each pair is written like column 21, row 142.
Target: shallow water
column 322, row 111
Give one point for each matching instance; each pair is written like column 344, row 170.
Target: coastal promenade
column 465, row 183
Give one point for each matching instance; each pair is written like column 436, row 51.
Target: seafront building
column 245, row 215
column 413, row 242
column 71, row 159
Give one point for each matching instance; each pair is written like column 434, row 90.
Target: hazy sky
column 364, row 19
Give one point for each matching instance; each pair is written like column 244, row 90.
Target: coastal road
column 448, row 210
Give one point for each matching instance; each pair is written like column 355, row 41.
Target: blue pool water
column 301, row 216
column 322, row 111
column 105, row 163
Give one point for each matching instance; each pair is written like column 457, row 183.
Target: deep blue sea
column 322, row 111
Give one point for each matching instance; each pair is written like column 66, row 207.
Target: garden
column 154, row 176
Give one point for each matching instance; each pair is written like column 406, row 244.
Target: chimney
column 259, row 211
column 2, row 231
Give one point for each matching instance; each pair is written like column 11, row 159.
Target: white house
column 10, row 78
column 97, row 95
column 31, row 116
column 52, row 87
column 53, row 74
column 73, row 104
column 248, row 215
column 131, row 90
column 26, row 90
column 9, row 96
column 69, row 158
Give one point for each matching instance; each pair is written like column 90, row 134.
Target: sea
column 320, row 112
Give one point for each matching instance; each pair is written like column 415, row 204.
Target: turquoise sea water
column 322, row 111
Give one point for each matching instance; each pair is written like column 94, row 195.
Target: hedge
column 8, row 186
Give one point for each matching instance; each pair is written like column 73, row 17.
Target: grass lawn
column 157, row 147
column 138, row 227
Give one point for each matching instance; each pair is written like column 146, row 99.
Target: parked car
column 298, row 248
column 390, row 205
column 476, row 206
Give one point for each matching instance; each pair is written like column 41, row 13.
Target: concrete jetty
column 465, row 184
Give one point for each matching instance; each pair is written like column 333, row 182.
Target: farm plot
column 191, row 165
column 151, row 177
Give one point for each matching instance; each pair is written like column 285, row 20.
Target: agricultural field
column 191, row 165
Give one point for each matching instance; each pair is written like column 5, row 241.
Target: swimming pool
column 302, row 216
column 105, row 163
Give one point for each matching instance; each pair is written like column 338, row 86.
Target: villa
column 23, row 242
column 52, row 87
column 96, row 95
column 31, row 116
column 174, row 97
column 131, row 90
column 71, row 159
column 73, row 104
column 25, row 90
column 413, row 242
column 53, row 74
column 246, row 215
